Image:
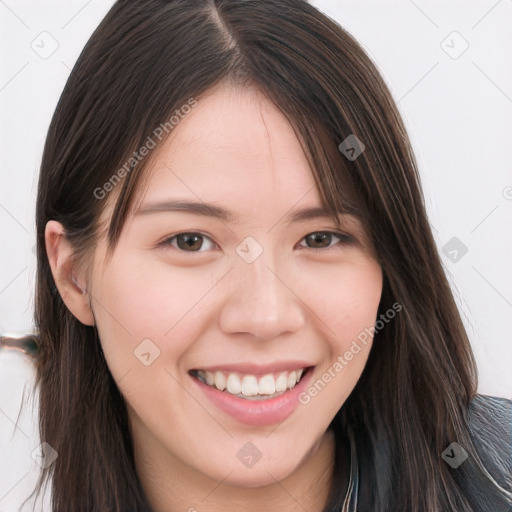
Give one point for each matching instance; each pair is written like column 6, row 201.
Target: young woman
column 239, row 300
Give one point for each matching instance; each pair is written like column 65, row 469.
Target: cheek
column 140, row 300
column 345, row 298
column 348, row 310
column 135, row 303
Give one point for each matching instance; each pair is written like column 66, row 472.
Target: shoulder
column 490, row 423
column 495, row 409
column 489, row 420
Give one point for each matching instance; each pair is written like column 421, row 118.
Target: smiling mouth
column 251, row 387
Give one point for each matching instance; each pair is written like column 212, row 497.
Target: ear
column 71, row 286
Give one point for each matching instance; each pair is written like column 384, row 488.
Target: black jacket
column 491, row 429
column 490, row 423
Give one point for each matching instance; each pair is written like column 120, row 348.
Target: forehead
column 236, row 151
column 233, row 143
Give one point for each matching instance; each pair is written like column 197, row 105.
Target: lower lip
column 257, row 412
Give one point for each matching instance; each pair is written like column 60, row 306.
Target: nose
column 261, row 301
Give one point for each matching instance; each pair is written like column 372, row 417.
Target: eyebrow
column 218, row 212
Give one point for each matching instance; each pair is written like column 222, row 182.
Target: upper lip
column 257, row 369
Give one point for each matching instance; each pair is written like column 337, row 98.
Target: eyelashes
column 189, row 241
column 342, row 237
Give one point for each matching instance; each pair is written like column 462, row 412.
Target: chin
column 253, row 478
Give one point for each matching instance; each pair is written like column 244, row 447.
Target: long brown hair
column 146, row 59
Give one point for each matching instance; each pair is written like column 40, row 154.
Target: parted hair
column 146, row 59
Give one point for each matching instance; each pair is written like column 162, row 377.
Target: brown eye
column 323, row 239
column 189, row 242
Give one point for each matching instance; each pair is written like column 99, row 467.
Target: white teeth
column 210, row 379
column 220, row 381
column 267, row 385
column 249, row 385
column 292, row 380
column 233, row 384
column 281, row 381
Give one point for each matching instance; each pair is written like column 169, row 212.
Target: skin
column 296, row 300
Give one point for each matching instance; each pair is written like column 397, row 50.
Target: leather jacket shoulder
column 490, row 423
column 489, row 420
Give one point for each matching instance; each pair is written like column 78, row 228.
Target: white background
column 457, row 108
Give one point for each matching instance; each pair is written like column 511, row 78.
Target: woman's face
column 245, row 299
